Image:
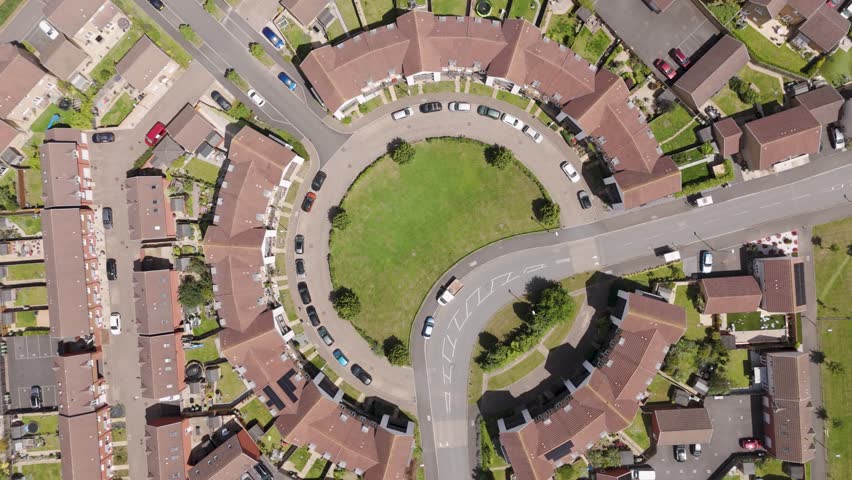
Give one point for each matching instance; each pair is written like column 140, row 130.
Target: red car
column 308, row 202
column 681, row 58
column 154, row 135
column 750, row 443
column 664, row 67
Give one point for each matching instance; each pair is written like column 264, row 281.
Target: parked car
column 103, row 137
column 300, row 244
column 340, row 357
column 695, row 449
column 750, row 443
column 312, row 316
column 512, row 121
column 681, row 58
column 256, row 98
column 488, row 112
column 262, row 471
column 585, row 201
column 300, row 268
column 428, row 326
column 838, row 141
column 48, row 29
column 154, row 135
column 431, row 107
column 35, row 397
column 570, row 171
column 220, row 100
column 325, row 336
column 459, row 106
column 308, row 202
column 404, row 113
column 319, row 179
column 287, row 81
column 304, row 293
column 157, row 4
column 273, row 38
column 112, row 271
column 664, row 67
column 680, row 453
column 361, row 374
column 115, row 323
column 706, row 261
column 533, row 134
column 106, row 216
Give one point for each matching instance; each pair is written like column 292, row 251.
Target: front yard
column 743, row 322
column 590, row 45
column 119, row 111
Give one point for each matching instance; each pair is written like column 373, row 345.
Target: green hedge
column 695, row 187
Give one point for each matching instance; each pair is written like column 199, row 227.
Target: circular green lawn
column 410, row 223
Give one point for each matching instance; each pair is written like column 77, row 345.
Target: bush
column 814, row 66
column 241, row 111
column 341, row 219
column 210, row 7
column 396, row 351
column 401, row 151
column 256, row 50
column 8, row 197
column 346, row 303
column 189, row 34
column 604, row 457
column 499, row 156
column 548, row 213
column 705, row 148
column 743, row 90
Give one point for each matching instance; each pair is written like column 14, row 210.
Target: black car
column 319, row 179
column 312, row 316
column 430, row 107
column 361, row 374
column 157, row 4
column 35, row 397
column 264, row 472
column 112, row 271
column 300, row 268
column 103, row 137
column 107, row 218
column 324, row 335
column 583, row 197
column 223, row 102
column 300, row 244
column 488, row 112
column 303, row 292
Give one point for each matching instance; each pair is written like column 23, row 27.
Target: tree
column 604, row 457
column 256, row 50
column 548, row 213
column 341, row 219
column 554, row 305
column 499, row 156
column 8, row 198
column 210, row 7
column 817, row 241
column 241, row 111
column 834, row 247
column 814, row 66
column 346, row 303
column 401, row 151
column 396, row 351
column 834, row 366
column 196, row 289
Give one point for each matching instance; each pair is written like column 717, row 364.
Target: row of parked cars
column 463, row 107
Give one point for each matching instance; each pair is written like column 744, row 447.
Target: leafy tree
column 341, row 219
column 396, row 351
column 346, row 303
column 548, row 213
column 705, row 148
column 8, row 198
column 210, row 7
column 241, row 111
column 499, row 156
column 554, row 305
column 256, row 50
column 817, row 241
column 401, row 151
column 814, row 66
column 834, row 366
column 196, row 289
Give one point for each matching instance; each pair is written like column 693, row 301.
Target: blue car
column 274, row 39
column 340, row 357
column 287, row 81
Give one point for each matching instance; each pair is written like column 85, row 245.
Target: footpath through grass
column 411, row 223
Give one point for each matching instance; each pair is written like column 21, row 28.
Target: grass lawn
column 749, row 321
column 659, row 389
column 638, row 430
column 316, row 469
column 370, row 105
column 287, row 303
column 298, row 40
column 523, row 9
column 46, row 423
column 561, row 29
column 838, row 68
column 684, row 139
column 490, row 457
column 517, row 372
column 575, row 471
column 119, row 111
column 834, row 269
column 449, row 7
column 30, row 224
column 671, row 271
column 7, row 8
column 31, row 296
column 437, row 87
column 694, row 173
column 335, row 31
column 201, row 170
column 25, row 319
column 25, row 271
column 41, row 471
column 206, row 353
column 576, row 282
column 688, row 156
column 351, row 391
column 318, row 361
column 380, row 244
column 694, row 330
column 762, row 49
column 770, row 469
column 557, row 336
column 350, row 16
column 119, row 434
column 254, row 410
column 208, row 324
column 835, row 338
column 477, row 88
column 300, row 458
column 738, row 368
column 729, row 102
column 515, row 100
column 230, row 385
column 769, row 87
column 40, row 124
column 668, row 124
column 270, row 440
column 378, row 12
column 590, row 45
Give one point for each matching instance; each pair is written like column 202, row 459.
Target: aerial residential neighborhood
column 425, row 239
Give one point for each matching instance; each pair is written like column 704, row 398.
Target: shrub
column 210, row 7
column 814, row 66
column 499, row 156
column 189, row 34
column 743, row 90
column 697, row 186
column 241, row 111
column 256, row 50
column 346, row 303
column 341, row 219
column 8, row 197
column 396, row 351
column 604, row 457
column 548, row 213
column 401, row 151
column 705, row 148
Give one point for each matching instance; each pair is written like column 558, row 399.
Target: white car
column 838, row 141
column 404, row 113
column 570, row 171
column 532, row 133
column 48, row 29
column 115, row 323
column 256, row 98
column 510, row 120
column 706, row 261
column 459, row 107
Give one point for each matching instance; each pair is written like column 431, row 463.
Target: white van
column 400, row 114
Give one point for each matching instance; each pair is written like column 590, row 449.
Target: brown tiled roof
column 621, row 473
column 19, row 74
column 7, row 134
column 727, row 134
column 788, row 375
column 790, row 401
column 780, row 136
column 148, row 210
column 60, row 174
column 712, row 71
column 65, row 274
column 167, row 448
column 189, row 129
column 69, row 16
column 105, row 15
column 305, row 11
column 142, row 63
column 62, row 58
column 155, row 298
column 731, row 294
column 779, row 286
column 773, row 7
column 161, row 361
column 682, row 426
column 646, row 313
column 639, row 188
column 78, row 442
column 805, row 7
column 238, row 287
column 826, row 28
column 824, row 103
column 229, row 460
column 75, row 377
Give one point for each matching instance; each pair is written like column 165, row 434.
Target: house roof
column 149, row 213
column 65, row 274
column 167, row 448
column 679, row 426
column 779, row 284
column 620, row 473
column 75, row 375
column 161, row 361
column 712, row 71
column 305, row 11
column 69, row 16
column 773, row 7
column 142, row 63
column 237, row 455
column 727, row 134
column 824, row 103
column 7, row 134
column 238, row 285
column 19, row 74
column 825, row 28
column 62, row 58
column 783, row 135
column 189, row 129
column 789, row 391
column 60, row 174
column 805, row 7
column 155, row 298
column 78, row 442
column 731, row 294
column 638, row 188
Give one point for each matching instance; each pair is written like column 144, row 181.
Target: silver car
column 428, row 326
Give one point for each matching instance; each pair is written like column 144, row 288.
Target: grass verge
column 517, row 372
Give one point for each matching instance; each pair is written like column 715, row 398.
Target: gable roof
column 166, row 448
column 782, row 135
column 142, row 63
column 189, row 129
column 60, row 174
column 679, row 426
column 790, row 401
column 69, row 16
column 824, row 103
column 62, row 58
column 778, row 283
column 155, row 298
column 74, row 377
column 65, row 273
column 78, row 442
column 19, row 74
column 731, row 294
column 161, row 361
column 305, row 11
column 229, row 460
column 149, row 213
column 727, row 134
column 826, row 27
column 712, row 71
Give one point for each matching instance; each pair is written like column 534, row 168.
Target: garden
column 673, row 129
column 748, row 87
column 750, row 321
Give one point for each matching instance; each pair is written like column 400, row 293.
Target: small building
column 782, row 281
column 730, row 294
column 824, row 103
column 165, row 153
column 304, row 11
column 727, row 134
column 185, row 231
column 711, row 72
column 178, row 203
column 681, row 426
column 189, row 129
column 149, row 213
column 780, row 137
column 143, row 64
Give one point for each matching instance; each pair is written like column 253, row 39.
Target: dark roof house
column 141, row 65
column 681, row 426
column 149, row 212
column 780, row 136
column 189, row 129
column 782, row 280
column 730, row 294
column 727, row 134
column 824, row 103
column 788, row 428
column 711, row 72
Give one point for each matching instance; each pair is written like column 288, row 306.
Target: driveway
column 733, row 417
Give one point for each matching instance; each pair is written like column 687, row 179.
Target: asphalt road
column 18, row 27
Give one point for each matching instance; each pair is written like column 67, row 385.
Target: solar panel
column 799, row 278
column 560, row 452
column 287, row 386
column 274, row 399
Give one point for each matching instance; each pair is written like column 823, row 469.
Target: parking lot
column 732, row 418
